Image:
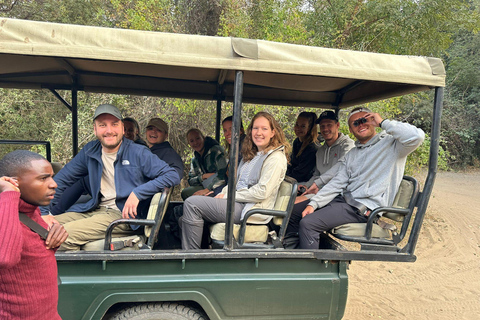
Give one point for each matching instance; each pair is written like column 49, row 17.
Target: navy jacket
column 137, row 170
column 165, row 152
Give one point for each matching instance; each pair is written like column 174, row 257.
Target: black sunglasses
column 359, row 121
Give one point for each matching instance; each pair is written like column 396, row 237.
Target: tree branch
column 8, row 9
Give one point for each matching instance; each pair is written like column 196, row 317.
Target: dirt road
column 444, row 282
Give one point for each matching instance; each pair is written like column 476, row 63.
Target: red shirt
column 28, row 271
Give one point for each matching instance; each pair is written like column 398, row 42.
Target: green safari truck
column 236, row 279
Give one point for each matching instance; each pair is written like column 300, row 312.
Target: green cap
column 108, row 108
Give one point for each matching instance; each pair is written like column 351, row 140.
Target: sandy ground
column 444, row 282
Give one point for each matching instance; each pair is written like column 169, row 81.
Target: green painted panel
column 226, row 288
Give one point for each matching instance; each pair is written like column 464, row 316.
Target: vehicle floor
column 444, row 282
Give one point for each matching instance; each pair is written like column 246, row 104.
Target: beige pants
column 89, row 226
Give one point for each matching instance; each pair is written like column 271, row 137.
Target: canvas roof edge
column 32, row 38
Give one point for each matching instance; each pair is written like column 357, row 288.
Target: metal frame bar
column 233, row 162
column 424, row 197
column 48, row 148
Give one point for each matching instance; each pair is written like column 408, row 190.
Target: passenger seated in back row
column 132, row 131
column 335, row 147
column 157, row 135
column 208, row 167
column 122, row 175
column 368, row 176
column 302, row 160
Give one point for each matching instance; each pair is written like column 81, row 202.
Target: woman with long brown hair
column 260, row 173
column 302, row 161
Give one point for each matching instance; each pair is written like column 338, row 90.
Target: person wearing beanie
column 157, row 135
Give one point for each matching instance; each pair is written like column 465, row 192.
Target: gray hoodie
column 372, row 172
column 327, row 157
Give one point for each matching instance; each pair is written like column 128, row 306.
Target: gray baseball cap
column 108, row 108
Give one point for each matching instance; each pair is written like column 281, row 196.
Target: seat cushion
column 358, row 230
column 253, row 233
column 99, row 244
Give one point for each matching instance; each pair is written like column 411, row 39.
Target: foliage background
column 446, row 29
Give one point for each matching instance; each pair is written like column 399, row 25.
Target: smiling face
column 301, row 128
column 36, row 183
column 227, row 131
column 130, row 130
column 329, row 130
column 363, row 131
column 155, row 136
column 262, row 133
column 196, row 141
column 109, row 130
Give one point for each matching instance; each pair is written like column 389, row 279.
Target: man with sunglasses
column 368, row 176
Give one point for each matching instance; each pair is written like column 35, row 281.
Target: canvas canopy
column 35, row 55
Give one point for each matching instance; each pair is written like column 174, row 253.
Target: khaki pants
column 89, row 226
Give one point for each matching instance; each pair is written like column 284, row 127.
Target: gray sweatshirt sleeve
column 408, row 136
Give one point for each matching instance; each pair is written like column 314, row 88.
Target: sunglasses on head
column 359, row 121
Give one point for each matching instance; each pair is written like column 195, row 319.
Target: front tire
column 160, row 311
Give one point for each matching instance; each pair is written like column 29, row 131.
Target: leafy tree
column 419, row 27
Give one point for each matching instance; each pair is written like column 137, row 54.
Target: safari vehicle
column 241, row 279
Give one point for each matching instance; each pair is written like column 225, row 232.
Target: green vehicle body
column 232, row 283
column 225, row 286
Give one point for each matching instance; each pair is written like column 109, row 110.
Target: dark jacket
column 212, row 161
column 301, row 168
column 137, row 170
column 165, row 152
column 139, row 140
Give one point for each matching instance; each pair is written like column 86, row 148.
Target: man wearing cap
column 367, row 177
column 335, row 146
column 122, row 177
column 157, row 135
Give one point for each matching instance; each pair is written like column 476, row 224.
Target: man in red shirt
column 28, row 269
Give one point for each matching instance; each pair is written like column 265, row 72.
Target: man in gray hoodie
column 367, row 177
column 335, row 147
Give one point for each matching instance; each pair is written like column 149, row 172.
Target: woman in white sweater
column 262, row 169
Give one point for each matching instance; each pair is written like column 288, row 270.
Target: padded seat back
column 402, row 199
column 56, row 166
column 283, row 197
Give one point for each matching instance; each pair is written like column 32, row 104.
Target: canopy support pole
column 59, row 97
column 424, row 197
column 75, row 117
column 233, row 161
column 218, row 119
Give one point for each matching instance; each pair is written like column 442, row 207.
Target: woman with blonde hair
column 262, row 169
